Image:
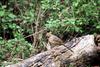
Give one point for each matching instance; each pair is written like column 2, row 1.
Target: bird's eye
column 47, row 37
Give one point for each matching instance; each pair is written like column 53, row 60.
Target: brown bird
column 54, row 40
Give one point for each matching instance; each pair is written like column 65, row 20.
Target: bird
column 54, row 40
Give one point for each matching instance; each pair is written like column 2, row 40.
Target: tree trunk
column 84, row 48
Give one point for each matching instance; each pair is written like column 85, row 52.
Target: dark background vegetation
column 64, row 18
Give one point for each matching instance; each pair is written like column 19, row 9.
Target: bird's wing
column 56, row 39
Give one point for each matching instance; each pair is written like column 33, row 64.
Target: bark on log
column 83, row 47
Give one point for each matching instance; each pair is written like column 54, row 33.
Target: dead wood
column 84, row 48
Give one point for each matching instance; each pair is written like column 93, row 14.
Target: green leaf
column 98, row 27
column 11, row 15
column 2, row 13
column 4, row 6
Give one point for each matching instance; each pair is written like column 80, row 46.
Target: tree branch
column 61, row 56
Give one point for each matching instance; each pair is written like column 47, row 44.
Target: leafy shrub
column 75, row 16
column 12, row 41
column 18, row 20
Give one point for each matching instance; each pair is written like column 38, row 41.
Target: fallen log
column 84, row 48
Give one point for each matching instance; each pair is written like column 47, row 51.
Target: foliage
column 74, row 16
column 18, row 19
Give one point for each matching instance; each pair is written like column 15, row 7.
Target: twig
column 35, row 33
column 76, row 43
column 36, row 27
